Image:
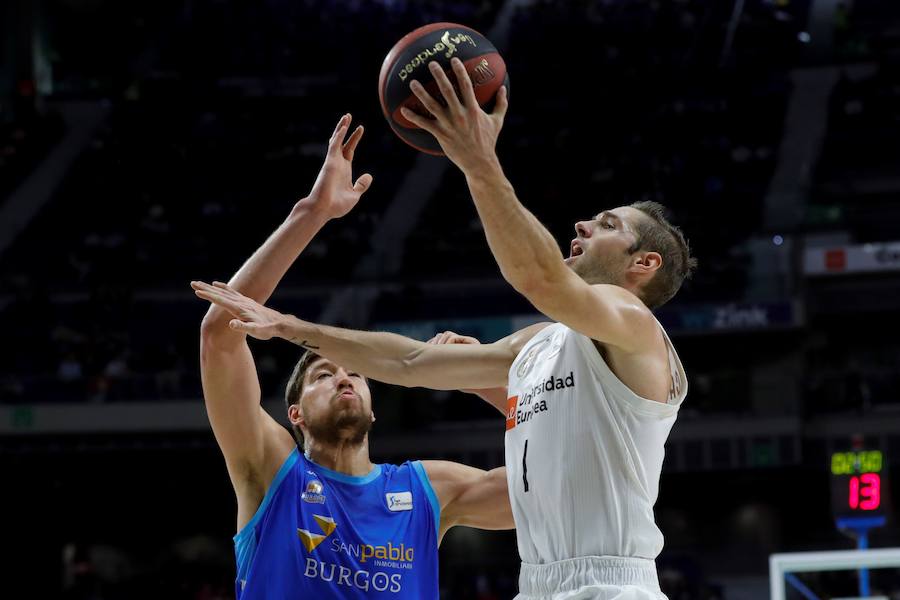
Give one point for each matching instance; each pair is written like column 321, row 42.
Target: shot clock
column 858, row 484
column 859, row 499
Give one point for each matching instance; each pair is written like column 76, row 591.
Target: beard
column 341, row 426
column 598, row 269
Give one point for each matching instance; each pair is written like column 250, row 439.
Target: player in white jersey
column 591, row 398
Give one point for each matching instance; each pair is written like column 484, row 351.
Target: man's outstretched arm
column 387, row 357
column 496, row 397
column 250, row 438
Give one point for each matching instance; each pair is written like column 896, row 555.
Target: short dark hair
column 657, row 234
column 294, row 388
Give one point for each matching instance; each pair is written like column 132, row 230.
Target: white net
column 785, row 572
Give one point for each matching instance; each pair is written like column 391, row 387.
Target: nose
column 582, row 229
column 343, row 379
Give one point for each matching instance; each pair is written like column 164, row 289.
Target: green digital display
column 855, row 463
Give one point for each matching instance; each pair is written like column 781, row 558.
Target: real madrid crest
column 528, row 361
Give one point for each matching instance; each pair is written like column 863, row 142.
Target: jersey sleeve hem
column 273, row 488
column 429, row 492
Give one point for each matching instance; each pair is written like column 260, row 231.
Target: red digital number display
column 859, row 483
column 865, row 492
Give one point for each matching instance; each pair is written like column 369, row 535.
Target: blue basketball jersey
column 323, row 534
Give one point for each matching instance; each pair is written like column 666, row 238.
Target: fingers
column 441, row 338
column 363, row 183
column 350, row 146
column 227, row 290
column 218, row 293
column 420, row 121
column 216, row 298
column 432, row 105
column 338, row 126
column 241, row 326
column 260, row 332
column 337, row 138
column 201, row 286
column 465, row 84
column 445, row 86
column 502, row 103
column 215, row 286
column 450, row 337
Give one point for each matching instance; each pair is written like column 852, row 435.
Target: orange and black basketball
column 409, row 59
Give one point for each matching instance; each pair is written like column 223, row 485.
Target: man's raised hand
column 467, row 134
column 334, row 192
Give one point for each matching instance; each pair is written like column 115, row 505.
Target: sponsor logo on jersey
column 397, row 501
column 359, row 579
column 385, row 556
column 312, row 540
column 524, row 407
column 313, row 493
column 511, row 404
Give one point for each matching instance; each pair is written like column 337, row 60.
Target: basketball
column 409, row 59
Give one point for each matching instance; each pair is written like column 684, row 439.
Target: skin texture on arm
column 254, row 445
column 497, row 396
column 385, row 357
column 527, row 254
column 470, row 497
column 248, row 437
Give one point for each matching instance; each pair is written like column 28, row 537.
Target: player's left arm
column 497, row 396
column 470, row 497
column 527, row 254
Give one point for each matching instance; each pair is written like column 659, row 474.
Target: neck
column 343, row 457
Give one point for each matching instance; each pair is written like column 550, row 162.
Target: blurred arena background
column 147, row 143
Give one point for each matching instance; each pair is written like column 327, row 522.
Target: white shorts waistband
column 574, row 573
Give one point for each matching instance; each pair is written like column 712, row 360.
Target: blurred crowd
column 209, row 146
column 219, row 114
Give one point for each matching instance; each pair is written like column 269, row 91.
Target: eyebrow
column 609, row 214
column 320, row 363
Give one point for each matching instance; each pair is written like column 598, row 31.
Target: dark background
column 146, row 144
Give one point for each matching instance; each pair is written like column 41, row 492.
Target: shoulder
column 442, row 470
column 449, row 479
column 280, row 454
column 625, row 300
column 517, row 340
column 638, row 329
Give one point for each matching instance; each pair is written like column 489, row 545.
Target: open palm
column 334, row 190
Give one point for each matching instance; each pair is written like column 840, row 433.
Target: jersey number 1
column 525, row 466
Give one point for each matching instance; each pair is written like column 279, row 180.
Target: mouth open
column 575, row 249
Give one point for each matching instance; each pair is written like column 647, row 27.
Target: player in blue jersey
column 327, row 522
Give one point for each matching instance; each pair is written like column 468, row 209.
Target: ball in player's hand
column 409, row 59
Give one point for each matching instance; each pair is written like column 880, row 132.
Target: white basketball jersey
column 583, row 452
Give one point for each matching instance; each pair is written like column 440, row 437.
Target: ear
column 295, row 415
column 647, row 262
column 373, row 416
